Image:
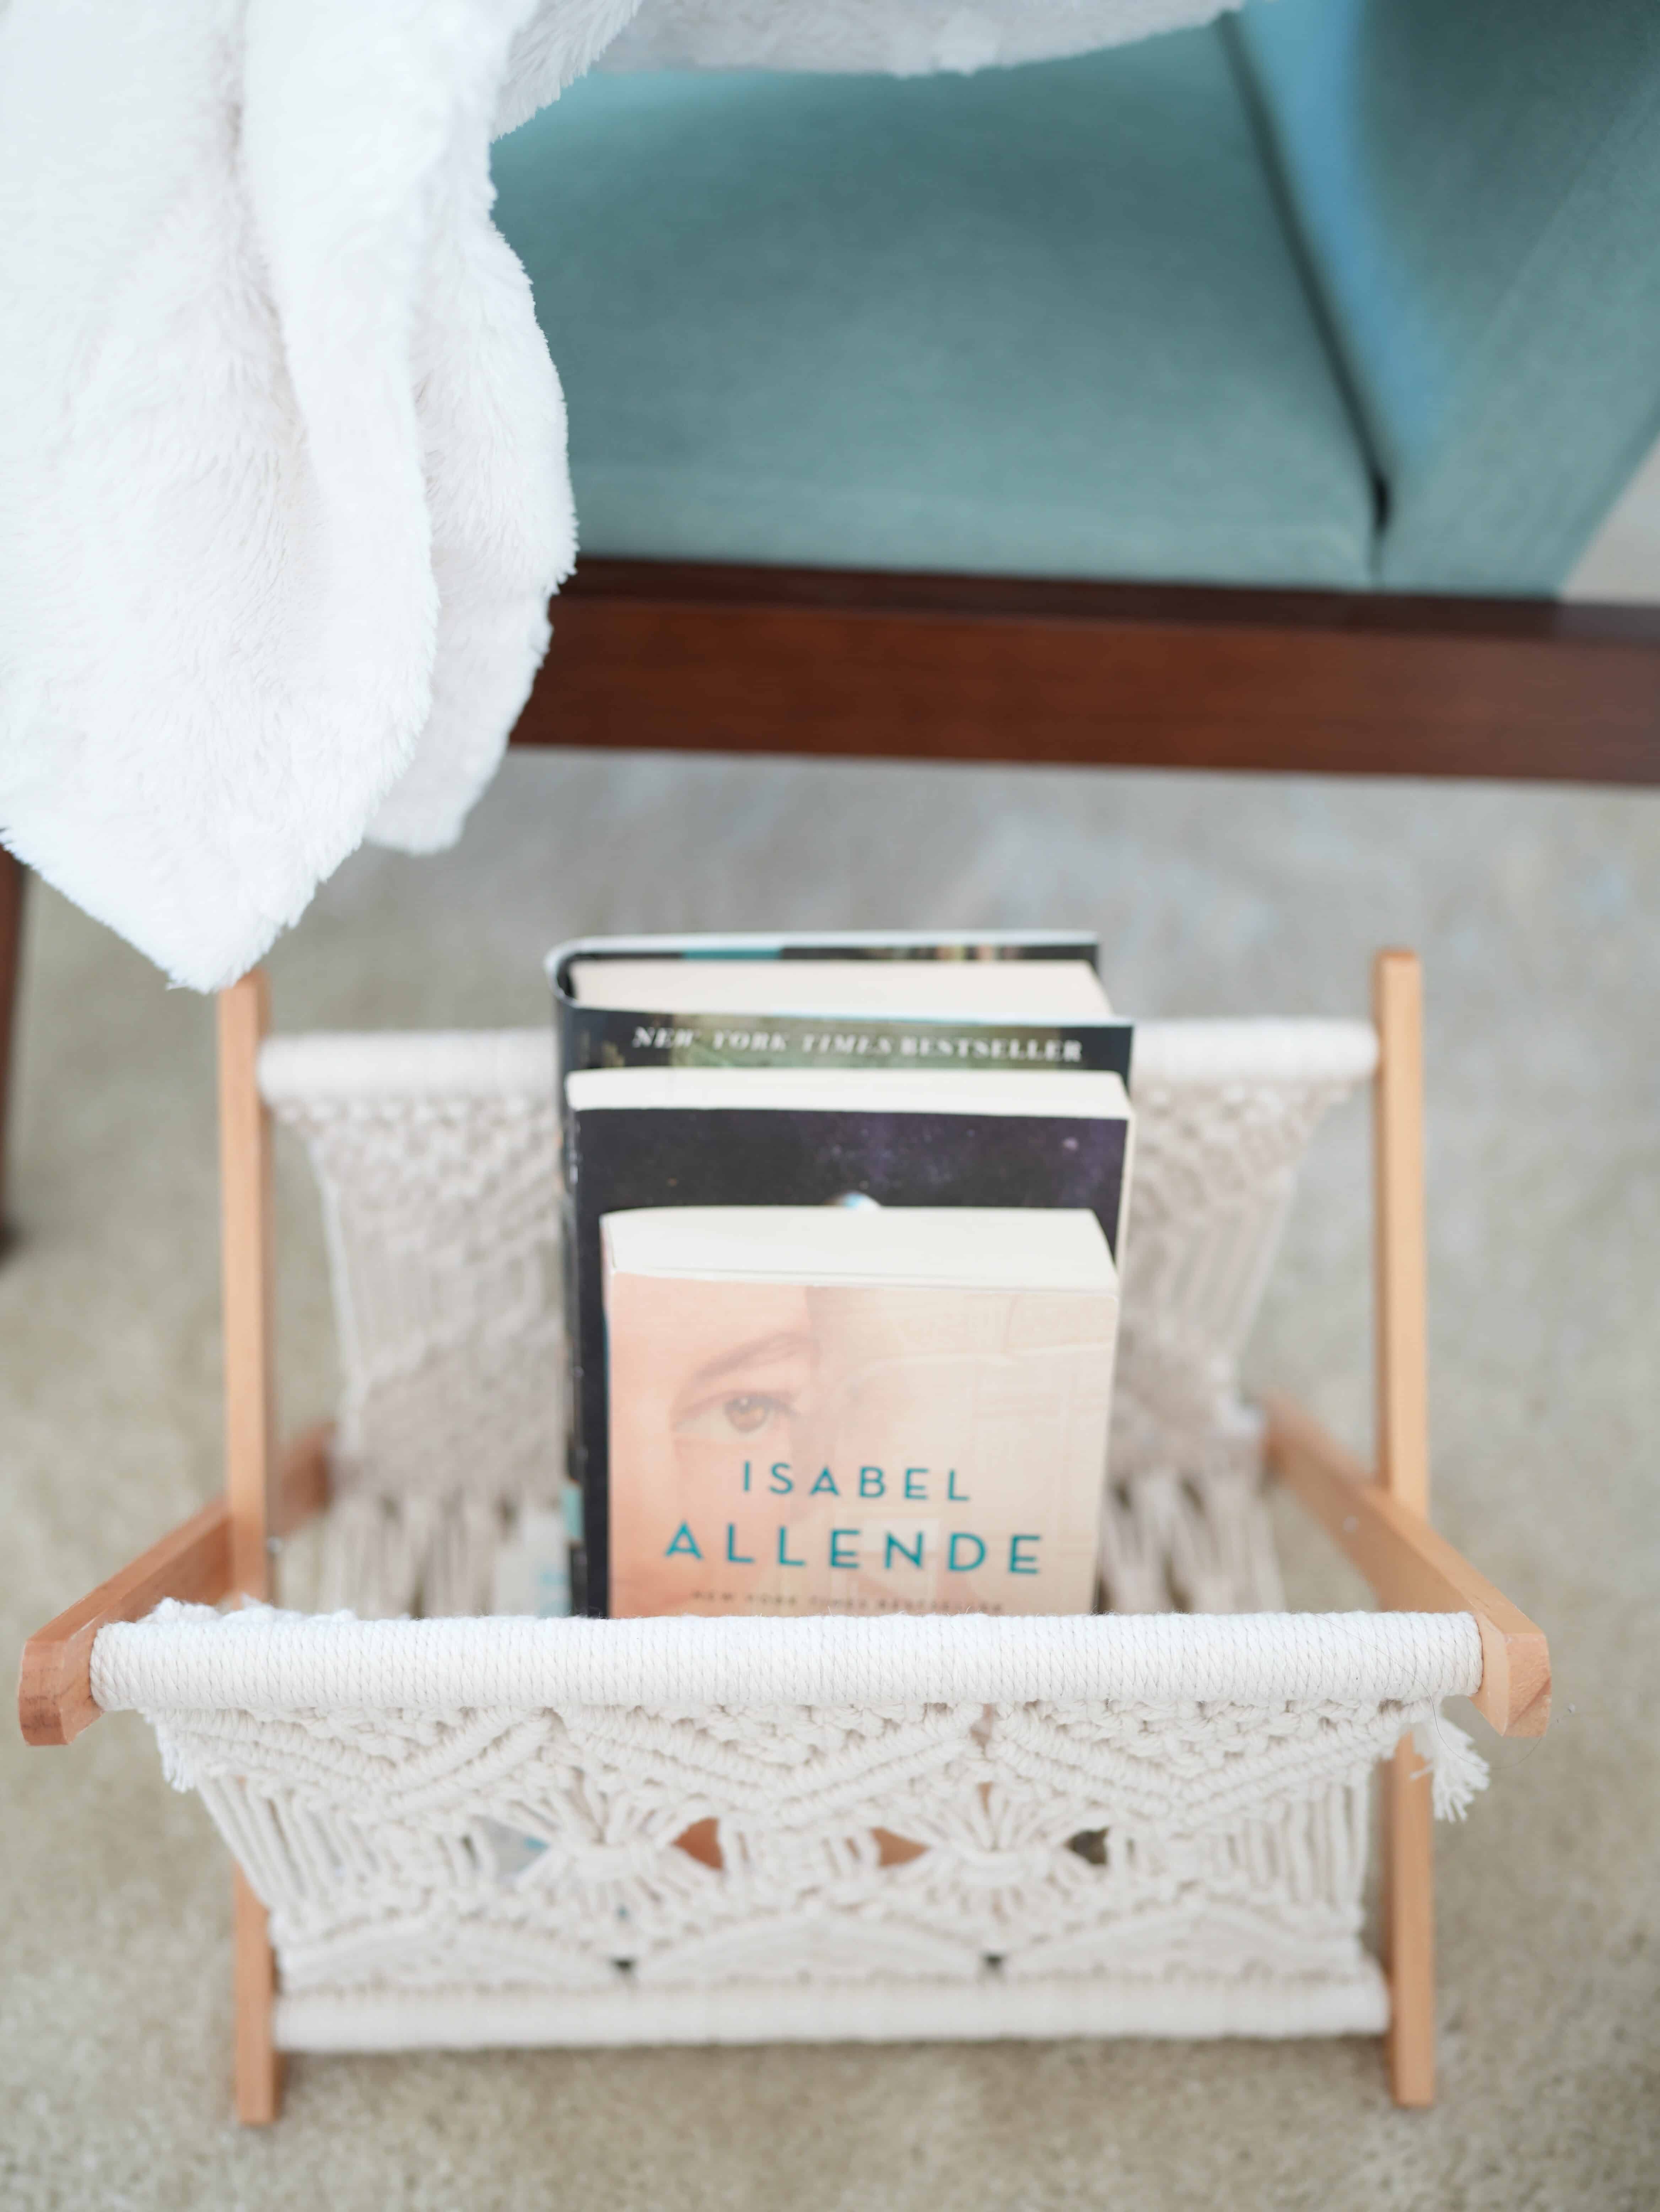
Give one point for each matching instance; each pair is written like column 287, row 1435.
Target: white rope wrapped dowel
column 300, row 1068
column 1178, row 2008
column 260, row 1660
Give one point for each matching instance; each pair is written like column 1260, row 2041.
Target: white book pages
column 1083, row 1095
column 983, row 1248
column 1029, row 991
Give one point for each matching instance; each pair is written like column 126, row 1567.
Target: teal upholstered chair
column 1240, row 398
column 1352, row 296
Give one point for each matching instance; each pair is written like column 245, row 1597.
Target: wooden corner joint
column 193, row 1563
column 54, row 1687
column 1413, row 1568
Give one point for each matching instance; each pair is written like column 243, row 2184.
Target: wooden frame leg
column 248, row 1281
column 259, row 2062
column 1410, row 1925
column 244, row 1140
column 1401, row 1300
column 13, row 877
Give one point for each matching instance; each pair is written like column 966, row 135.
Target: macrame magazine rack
column 462, row 1830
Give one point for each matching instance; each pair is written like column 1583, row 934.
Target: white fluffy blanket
column 283, row 483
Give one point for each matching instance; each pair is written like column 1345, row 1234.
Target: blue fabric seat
column 1477, row 186
column 1044, row 321
column 1348, row 292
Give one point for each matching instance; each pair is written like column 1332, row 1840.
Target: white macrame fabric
column 474, row 1831
column 437, row 1158
column 517, row 1830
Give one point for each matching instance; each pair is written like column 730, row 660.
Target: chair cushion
column 1042, row 321
column 1478, row 187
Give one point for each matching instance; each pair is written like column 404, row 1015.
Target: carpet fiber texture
column 1539, row 917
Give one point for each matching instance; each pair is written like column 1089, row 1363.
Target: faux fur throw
column 282, row 480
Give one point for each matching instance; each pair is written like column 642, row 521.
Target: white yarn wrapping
column 1458, row 1772
column 188, row 1658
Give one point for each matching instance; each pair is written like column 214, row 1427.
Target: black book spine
column 587, row 1579
column 606, row 1037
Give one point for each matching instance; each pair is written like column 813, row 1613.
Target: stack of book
column 844, row 1218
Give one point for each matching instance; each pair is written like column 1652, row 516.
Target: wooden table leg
column 13, row 875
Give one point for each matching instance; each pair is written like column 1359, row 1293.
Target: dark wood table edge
column 745, row 659
column 13, row 878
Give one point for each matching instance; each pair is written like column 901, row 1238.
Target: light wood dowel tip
column 54, row 1687
column 54, row 1704
column 1527, row 1661
column 1412, row 2090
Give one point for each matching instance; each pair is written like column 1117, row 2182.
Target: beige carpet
column 1539, row 914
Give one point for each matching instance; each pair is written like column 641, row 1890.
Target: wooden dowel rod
column 259, row 2062
column 1401, row 1279
column 1410, row 1925
column 244, row 1159
column 1400, row 1269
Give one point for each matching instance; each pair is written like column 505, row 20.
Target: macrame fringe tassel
column 1456, row 1770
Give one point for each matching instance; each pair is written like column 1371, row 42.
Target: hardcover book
column 1024, row 999
column 856, row 1410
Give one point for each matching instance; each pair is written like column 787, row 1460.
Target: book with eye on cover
column 856, row 1410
